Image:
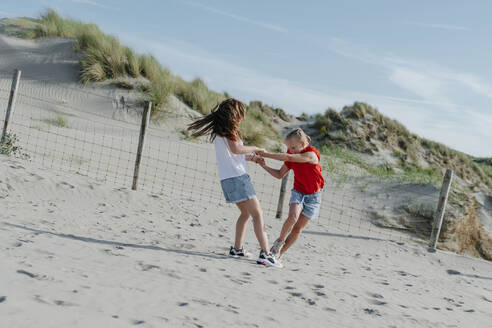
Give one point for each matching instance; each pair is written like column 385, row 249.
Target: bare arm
column 237, row 148
column 252, row 157
column 307, row 157
column 276, row 173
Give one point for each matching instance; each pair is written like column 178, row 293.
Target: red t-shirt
column 308, row 178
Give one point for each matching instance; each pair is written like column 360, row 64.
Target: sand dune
column 77, row 252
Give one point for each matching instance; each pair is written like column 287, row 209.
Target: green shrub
column 9, row 146
column 58, row 121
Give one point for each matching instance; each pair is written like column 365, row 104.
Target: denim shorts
column 310, row 203
column 238, row 189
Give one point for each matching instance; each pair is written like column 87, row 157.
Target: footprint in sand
column 31, row 275
column 147, row 267
column 376, row 300
column 373, row 312
column 64, row 303
column 310, row 302
column 486, row 299
column 39, row 299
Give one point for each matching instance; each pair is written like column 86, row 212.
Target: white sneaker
column 237, row 253
column 277, row 246
column 268, row 260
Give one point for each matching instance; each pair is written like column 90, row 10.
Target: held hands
column 257, row 159
column 260, row 152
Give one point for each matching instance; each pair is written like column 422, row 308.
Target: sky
column 425, row 63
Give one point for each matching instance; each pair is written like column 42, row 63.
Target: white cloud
column 423, row 85
column 237, row 17
column 433, row 114
column 440, row 26
column 191, row 61
column 428, row 80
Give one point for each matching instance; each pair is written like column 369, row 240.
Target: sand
column 76, row 252
column 80, row 249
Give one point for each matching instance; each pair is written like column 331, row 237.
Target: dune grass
column 357, row 127
column 102, row 57
column 197, row 95
column 59, row 121
column 339, row 163
column 257, row 129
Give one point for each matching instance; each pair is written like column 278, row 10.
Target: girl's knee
column 257, row 215
column 297, row 229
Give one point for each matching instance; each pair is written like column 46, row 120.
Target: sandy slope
column 77, row 253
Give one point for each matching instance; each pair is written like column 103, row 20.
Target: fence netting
column 55, row 133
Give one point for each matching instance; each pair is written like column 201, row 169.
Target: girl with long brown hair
column 223, row 126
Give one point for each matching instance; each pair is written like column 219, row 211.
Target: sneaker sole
column 247, row 256
column 270, row 264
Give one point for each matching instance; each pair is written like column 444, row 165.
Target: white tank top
column 229, row 165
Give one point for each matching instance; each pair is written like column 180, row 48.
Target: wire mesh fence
column 60, row 135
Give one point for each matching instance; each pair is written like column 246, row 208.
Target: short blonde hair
column 300, row 134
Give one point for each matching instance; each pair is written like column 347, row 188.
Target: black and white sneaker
column 234, row 252
column 268, row 260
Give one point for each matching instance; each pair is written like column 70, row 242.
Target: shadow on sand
column 116, row 243
column 339, row 235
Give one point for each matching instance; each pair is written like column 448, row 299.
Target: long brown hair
column 223, row 121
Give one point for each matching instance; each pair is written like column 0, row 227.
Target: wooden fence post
column 281, row 197
column 11, row 104
column 143, row 127
column 441, row 206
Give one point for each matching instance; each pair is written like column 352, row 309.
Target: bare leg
column 241, row 223
column 295, row 233
column 294, row 212
column 252, row 206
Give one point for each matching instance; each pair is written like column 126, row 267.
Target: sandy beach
column 80, row 253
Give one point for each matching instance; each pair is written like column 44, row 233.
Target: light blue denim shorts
column 310, row 203
column 238, row 189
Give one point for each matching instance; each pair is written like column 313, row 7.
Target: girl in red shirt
column 305, row 201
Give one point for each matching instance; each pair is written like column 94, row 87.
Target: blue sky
column 425, row 63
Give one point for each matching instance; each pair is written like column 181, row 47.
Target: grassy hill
column 103, row 58
column 362, row 129
column 360, row 137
